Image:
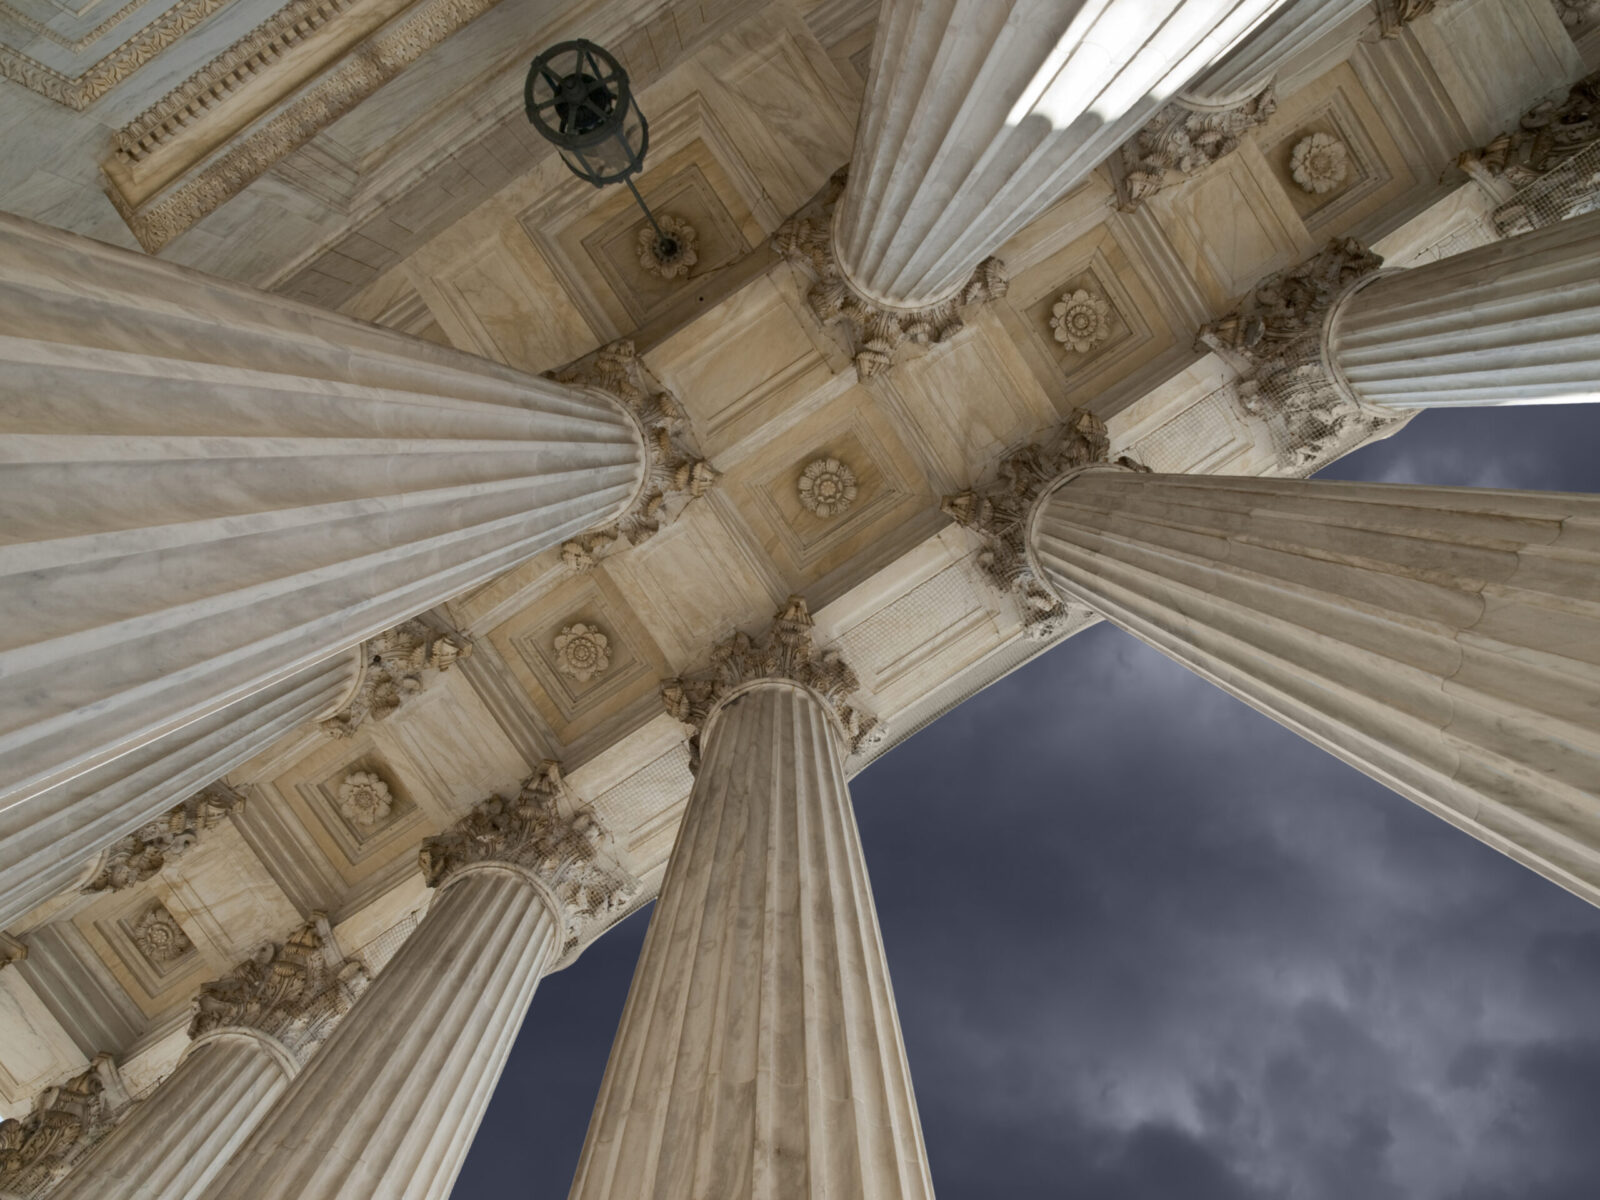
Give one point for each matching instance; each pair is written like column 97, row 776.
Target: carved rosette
column 876, row 332
column 396, row 664
column 295, row 991
column 542, row 831
column 998, row 513
column 1319, row 163
column 827, row 487
column 1553, row 155
column 683, row 256
column 159, row 937
column 785, row 651
column 676, row 474
column 365, row 799
column 145, row 851
column 1274, row 341
column 1179, row 142
column 38, row 1150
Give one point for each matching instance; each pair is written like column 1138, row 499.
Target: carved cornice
column 875, row 331
column 396, row 665
column 294, row 991
column 358, row 74
column 145, row 851
column 38, row 1150
column 199, row 95
column 542, row 832
column 785, row 651
column 1275, row 341
column 1179, row 142
column 675, row 475
column 998, row 513
column 79, row 91
column 1556, row 145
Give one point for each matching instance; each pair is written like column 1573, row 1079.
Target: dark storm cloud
column 1148, row 944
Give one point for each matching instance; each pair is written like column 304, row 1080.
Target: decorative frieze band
column 542, row 831
column 1275, row 341
column 38, row 1150
column 876, row 331
column 294, row 991
column 144, row 852
column 785, row 651
column 676, row 473
column 998, row 513
column 396, row 665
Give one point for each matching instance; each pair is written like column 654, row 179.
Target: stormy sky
column 1147, row 944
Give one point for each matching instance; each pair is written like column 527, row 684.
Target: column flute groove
column 408, row 1074
column 755, row 1057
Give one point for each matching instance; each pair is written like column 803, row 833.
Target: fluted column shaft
column 173, row 1143
column 759, row 1054
column 1513, row 322
column 980, row 114
column 46, row 839
column 1445, row 641
column 390, row 1102
column 1250, row 66
column 208, row 488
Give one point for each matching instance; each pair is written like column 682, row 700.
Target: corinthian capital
column 785, row 651
column 148, row 849
column 676, row 475
column 396, row 664
column 295, row 991
column 36, row 1151
column 1179, row 142
column 1556, row 146
column 543, row 832
column 875, row 330
column 1274, row 340
column 998, row 513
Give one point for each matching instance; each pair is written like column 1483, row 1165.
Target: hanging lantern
column 578, row 98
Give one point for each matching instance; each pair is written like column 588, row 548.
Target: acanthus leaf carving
column 785, row 651
column 1179, row 142
column 39, row 1149
column 1274, row 340
column 148, row 849
column 1395, row 15
column 676, row 475
column 998, row 514
column 545, row 832
column 396, row 665
column 1553, row 155
column 876, row 331
column 294, row 991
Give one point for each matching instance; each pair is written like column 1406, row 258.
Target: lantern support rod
column 661, row 238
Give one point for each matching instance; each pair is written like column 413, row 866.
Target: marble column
column 1513, row 322
column 207, row 489
column 253, row 1030
column 1445, row 641
column 1209, row 116
column 390, row 1103
column 759, row 1054
column 980, row 114
column 47, row 838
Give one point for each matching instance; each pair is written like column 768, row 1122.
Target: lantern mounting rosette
column 578, row 97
